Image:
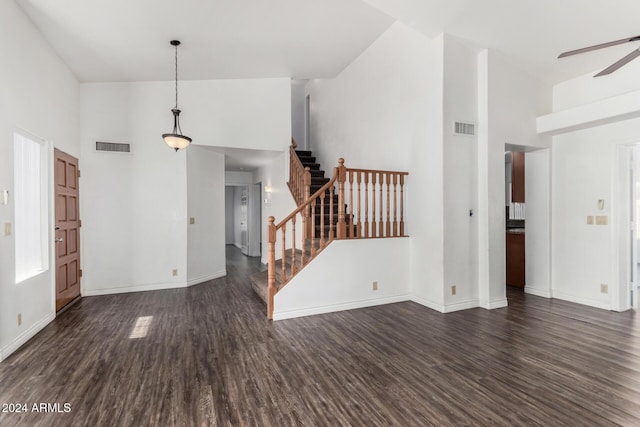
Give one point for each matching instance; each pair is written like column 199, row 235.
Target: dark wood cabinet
column 515, row 259
column 517, row 177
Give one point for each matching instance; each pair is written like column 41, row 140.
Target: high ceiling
column 125, row 40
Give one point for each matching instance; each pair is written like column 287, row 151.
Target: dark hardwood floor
column 210, row 357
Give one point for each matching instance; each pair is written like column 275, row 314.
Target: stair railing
column 299, row 176
column 362, row 216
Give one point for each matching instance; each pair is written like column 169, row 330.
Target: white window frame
column 31, row 217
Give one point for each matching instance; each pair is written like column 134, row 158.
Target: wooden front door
column 67, row 229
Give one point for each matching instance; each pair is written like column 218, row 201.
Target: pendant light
column 176, row 139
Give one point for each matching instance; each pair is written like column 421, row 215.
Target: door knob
column 60, row 240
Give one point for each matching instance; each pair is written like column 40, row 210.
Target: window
column 31, row 206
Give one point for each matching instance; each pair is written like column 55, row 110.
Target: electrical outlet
column 375, row 286
column 604, row 288
column 19, row 319
column 7, row 229
column 590, row 220
column 174, row 272
column 192, row 220
column 453, row 289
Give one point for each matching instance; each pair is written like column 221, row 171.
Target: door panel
column 67, row 229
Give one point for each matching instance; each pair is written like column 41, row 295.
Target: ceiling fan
column 613, row 67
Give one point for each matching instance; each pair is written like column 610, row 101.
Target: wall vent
column 113, row 147
column 461, row 128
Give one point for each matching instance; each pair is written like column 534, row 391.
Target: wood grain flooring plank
column 209, row 357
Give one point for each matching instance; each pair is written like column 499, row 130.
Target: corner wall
column 38, row 94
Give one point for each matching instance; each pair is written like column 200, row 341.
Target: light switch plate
column 601, row 220
column 7, row 229
column 590, row 220
column 4, row 197
column 192, row 220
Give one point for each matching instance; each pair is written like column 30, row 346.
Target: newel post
column 271, row 275
column 341, row 227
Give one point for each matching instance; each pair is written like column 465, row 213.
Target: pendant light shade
column 176, row 139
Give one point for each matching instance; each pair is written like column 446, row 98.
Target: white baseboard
column 545, row 293
column 206, row 278
column 492, row 305
column 338, row 307
column 464, row 305
column 580, row 300
column 429, row 304
column 137, row 288
column 21, row 339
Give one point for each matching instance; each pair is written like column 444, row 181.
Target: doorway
column 67, row 229
column 625, row 295
column 243, row 213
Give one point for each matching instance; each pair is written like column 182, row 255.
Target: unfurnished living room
column 305, row 212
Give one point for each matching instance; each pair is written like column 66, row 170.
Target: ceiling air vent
column 461, row 128
column 113, row 147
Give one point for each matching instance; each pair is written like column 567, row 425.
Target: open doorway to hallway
column 528, row 218
column 243, row 212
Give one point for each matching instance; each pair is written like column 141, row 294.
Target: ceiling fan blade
column 598, row 46
column 624, row 61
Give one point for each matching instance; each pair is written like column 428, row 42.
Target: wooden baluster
column 284, row 253
column 313, row 228
column 381, row 224
column 395, row 205
column 331, row 207
column 271, row 273
column 388, row 179
column 359, row 226
column 342, row 177
column 351, row 217
column 306, row 231
column 366, row 204
column 402, row 205
column 322, row 197
column 373, row 204
column 293, row 246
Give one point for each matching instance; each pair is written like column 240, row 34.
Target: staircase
column 353, row 203
column 259, row 281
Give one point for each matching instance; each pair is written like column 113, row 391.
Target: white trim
column 339, row 307
column 465, row 305
column 492, row 305
column 21, row 339
column 544, row 292
column 138, row 288
column 206, row 278
column 580, row 300
column 428, row 304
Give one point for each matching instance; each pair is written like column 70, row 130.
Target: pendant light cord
column 176, row 55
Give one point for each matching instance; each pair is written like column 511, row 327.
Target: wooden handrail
column 299, row 176
column 364, row 218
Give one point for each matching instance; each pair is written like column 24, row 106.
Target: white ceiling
column 127, row 40
column 531, row 33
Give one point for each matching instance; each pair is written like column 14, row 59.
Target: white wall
column 40, row 95
column 342, row 275
column 538, row 222
column 298, row 113
column 585, row 170
column 205, row 238
column 384, row 111
column 460, row 171
column 141, row 213
column 509, row 100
